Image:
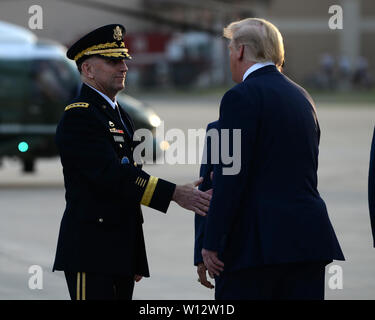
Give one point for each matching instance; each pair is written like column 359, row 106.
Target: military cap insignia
column 77, row 105
column 106, row 41
column 117, row 33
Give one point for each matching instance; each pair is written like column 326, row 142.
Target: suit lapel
column 111, row 113
column 126, row 118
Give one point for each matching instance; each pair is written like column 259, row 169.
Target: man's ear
column 240, row 52
column 87, row 69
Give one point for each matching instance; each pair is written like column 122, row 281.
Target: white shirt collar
column 256, row 66
column 112, row 103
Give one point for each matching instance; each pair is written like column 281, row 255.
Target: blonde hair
column 261, row 39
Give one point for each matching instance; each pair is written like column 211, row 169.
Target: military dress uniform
column 101, row 245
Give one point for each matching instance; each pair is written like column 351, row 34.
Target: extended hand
column 202, row 273
column 212, row 263
column 190, row 198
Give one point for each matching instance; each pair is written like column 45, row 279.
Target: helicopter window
column 54, row 80
column 14, row 89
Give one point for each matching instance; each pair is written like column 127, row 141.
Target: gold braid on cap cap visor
column 105, row 49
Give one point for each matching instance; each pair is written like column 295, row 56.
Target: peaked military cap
column 106, row 41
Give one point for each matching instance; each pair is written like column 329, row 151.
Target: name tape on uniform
column 119, row 138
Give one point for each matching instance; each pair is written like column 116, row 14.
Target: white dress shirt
column 256, row 66
column 112, row 103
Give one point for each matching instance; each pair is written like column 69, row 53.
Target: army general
column 101, row 247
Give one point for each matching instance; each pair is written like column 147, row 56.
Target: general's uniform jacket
column 101, row 229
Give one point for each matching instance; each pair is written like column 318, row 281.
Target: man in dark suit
column 371, row 187
column 268, row 234
column 101, row 245
column 205, row 172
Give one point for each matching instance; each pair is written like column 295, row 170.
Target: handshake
column 189, row 197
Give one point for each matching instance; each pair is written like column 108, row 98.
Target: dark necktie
column 123, row 123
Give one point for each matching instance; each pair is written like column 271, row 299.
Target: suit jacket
column 101, row 229
column 205, row 172
column 271, row 212
column 371, row 187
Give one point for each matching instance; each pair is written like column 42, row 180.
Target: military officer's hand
column 137, row 278
column 212, row 263
column 190, row 198
column 202, row 273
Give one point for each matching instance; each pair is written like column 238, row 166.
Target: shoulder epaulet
column 77, row 105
